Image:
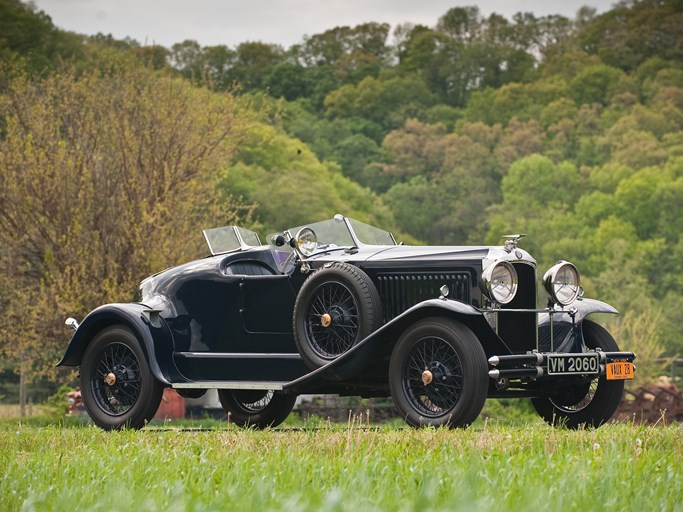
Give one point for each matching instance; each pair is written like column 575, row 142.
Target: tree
column 354, row 153
column 299, row 186
column 253, row 62
column 186, row 57
column 634, row 31
column 463, row 24
column 105, row 179
column 28, row 33
column 385, row 102
column 216, row 64
column 156, row 56
column 347, row 49
column 531, row 185
column 289, row 81
column 414, row 150
column 596, row 84
column 519, row 139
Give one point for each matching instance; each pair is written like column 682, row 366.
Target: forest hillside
column 114, row 155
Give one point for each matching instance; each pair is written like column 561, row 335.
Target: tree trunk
column 22, row 394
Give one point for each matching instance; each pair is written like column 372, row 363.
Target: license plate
column 570, row 364
column 620, row 370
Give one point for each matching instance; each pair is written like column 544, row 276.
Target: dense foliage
column 570, row 130
column 105, row 177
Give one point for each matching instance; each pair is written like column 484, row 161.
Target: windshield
column 226, row 239
column 344, row 232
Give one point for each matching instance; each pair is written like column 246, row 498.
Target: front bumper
column 542, row 365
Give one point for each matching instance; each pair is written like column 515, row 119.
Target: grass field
column 341, row 467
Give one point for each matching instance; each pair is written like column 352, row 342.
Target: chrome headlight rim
column 562, row 283
column 495, row 285
column 306, row 241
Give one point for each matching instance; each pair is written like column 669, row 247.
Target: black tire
column 119, row 390
column 337, row 306
column 256, row 408
column 451, row 360
column 589, row 404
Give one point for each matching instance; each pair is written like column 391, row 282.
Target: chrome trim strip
column 275, row 386
column 237, row 355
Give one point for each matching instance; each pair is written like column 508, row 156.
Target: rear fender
column 150, row 329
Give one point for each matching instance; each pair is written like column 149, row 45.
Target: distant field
column 343, row 467
column 12, row 411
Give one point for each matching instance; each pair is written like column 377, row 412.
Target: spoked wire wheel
column 117, row 383
column 589, row 404
column 119, row 389
column 438, row 374
column 253, row 401
column 432, row 377
column 337, row 306
column 584, row 402
column 256, row 408
column 332, row 320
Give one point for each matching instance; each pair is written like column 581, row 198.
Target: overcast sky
column 285, row 22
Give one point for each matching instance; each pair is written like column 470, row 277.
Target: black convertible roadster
column 339, row 307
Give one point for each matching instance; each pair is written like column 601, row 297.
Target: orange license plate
column 621, row 370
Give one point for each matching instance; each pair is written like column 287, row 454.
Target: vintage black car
column 338, row 307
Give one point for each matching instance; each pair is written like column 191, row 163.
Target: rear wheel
column 118, row 388
column 587, row 403
column 256, row 408
column 438, row 374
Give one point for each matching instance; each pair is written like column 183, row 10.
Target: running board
column 222, row 384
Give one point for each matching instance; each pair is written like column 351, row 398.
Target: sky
column 284, row 22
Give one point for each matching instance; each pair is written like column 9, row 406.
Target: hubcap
column 432, row 377
column 116, row 381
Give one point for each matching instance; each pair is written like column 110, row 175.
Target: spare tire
column 337, row 306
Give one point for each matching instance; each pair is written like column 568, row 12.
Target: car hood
column 404, row 253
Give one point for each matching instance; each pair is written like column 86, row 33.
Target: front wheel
column 256, row 408
column 119, row 390
column 590, row 403
column 438, row 374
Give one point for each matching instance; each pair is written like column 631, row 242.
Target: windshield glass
column 370, row 235
column 333, row 233
column 225, row 239
column 249, row 237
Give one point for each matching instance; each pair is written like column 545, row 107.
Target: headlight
column 306, row 241
column 500, row 281
column 562, row 283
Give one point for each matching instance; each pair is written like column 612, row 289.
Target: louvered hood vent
column 400, row 291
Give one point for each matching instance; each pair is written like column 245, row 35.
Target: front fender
column 380, row 343
column 151, row 331
column 581, row 308
column 566, row 332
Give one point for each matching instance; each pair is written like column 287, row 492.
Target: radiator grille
column 518, row 330
column 560, row 333
column 400, row 291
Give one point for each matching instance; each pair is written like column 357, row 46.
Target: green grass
column 341, row 467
